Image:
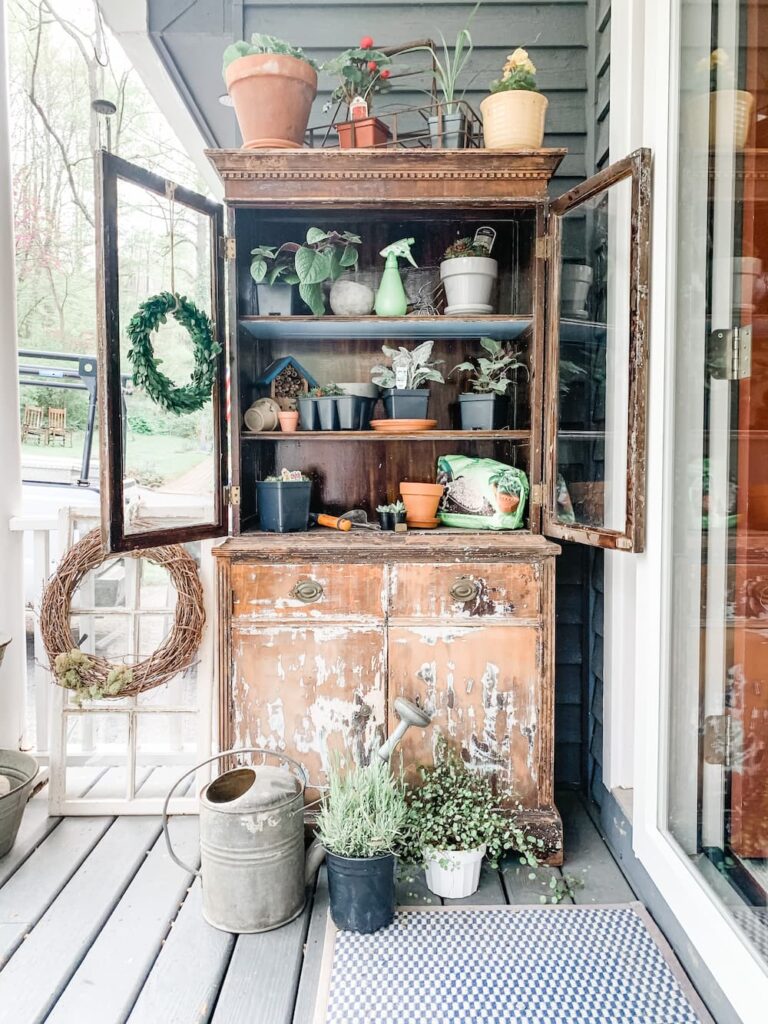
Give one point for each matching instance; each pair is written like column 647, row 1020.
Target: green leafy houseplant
column 410, row 367
column 363, row 811
column 361, row 70
column 455, row 808
column 324, row 256
column 493, row 374
column 262, row 43
column 519, row 72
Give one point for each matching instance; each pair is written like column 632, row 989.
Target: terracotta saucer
column 402, row 426
column 422, row 524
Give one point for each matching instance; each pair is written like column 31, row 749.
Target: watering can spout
column 409, row 713
column 315, row 857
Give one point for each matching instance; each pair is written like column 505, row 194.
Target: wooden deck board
column 263, row 975
column 490, row 893
column 588, row 859
column 184, row 982
column 105, row 987
column 66, row 931
column 304, row 1009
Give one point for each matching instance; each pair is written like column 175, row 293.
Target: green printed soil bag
column 481, row 494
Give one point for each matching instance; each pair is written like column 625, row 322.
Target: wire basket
column 435, row 125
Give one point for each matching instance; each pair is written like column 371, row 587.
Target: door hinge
column 717, row 739
column 537, row 495
column 730, row 353
column 232, row 496
column 227, row 248
column 544, row 247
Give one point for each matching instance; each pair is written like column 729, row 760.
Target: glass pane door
column 717, row 786
column 163, row 466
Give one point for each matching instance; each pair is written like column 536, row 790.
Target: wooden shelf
column 330, row 328
column 374, row 435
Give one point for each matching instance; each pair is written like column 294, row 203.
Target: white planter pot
column 469, row 282
column 514, row 119
column 575, row 282
column 453, row 874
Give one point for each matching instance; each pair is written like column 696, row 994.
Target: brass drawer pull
column 307, row 591
column 465, row 589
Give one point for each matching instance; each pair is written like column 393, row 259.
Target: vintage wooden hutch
column 318, row 632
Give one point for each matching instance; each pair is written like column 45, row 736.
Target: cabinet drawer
column 307, row 591
column 472, row 591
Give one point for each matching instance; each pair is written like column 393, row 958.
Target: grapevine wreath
column 161, row 389
column 93, row 677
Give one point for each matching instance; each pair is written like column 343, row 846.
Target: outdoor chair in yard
column 33, row 425
column 57, row 427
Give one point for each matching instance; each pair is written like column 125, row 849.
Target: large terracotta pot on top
column 272, row 94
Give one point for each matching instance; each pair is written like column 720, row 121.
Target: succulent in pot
column 491, row 376
column 404, row 398
column 513, row 115
column 390, row 515
column 360, row 821
column 455, row 820
column 323, row 256
column 468, row 274
column 272, row 85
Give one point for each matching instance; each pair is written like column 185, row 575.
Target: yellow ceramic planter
column 514, row 119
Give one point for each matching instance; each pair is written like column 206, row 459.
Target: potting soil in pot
column 481, row 494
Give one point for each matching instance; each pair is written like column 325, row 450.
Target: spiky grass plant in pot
column 491, row 376
column 454, row 821
column 360, row 822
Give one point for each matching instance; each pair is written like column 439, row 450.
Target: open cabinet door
column 596, row 358
column 162, row 474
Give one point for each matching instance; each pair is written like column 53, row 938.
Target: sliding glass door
column 716, row 798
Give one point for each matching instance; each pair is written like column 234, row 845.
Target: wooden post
column 13, row 671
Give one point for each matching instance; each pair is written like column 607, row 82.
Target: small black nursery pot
column 483, row 412
column 349, row 410
column 406, row 403
column 362, row 892
column 326, row 412
column 283, row 505
column 307, row 412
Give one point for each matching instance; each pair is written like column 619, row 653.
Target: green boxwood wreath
column 146, row 375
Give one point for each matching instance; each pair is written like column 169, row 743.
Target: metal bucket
column 19, row 770
column 251, row 843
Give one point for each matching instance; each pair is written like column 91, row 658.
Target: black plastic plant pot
column 362, row 892
column 367, row 406
column 275, row 299
column 326, row 413
column 483, row 412
column 406, row 403
column 307, row 413
column 283, row 505
column 348, row 410
column 388, row 520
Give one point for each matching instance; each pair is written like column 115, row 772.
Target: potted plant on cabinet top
column 272, row 85
column 454, row 821
column 513, row 115
column 362, row 71
column 491, row 377
column 404, row 398
column 324, row 256
column 468, row 274
column 360, row 821
column 283, row 502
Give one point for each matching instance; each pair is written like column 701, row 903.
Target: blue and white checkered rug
column 507, row 965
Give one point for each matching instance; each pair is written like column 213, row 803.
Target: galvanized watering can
column 252, row 859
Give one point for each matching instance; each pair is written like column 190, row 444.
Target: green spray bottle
column 391, row 299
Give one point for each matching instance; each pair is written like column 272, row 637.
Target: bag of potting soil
column 481, row 494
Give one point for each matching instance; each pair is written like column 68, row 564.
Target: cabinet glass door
column 596, row 365
column 162, row 473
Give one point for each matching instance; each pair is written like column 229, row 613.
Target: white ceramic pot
column 746, row 270
column 575, row 282
column 351, row 298
column 514, row 119
column 453, row 874
column 469, row 281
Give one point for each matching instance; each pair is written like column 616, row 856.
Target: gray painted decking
column 98, row 926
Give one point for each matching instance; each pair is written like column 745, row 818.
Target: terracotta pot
column 289, row 421
column 273, row 95
column 505, row 503
column 363, row 134
column 514, row 119
column 421, row 500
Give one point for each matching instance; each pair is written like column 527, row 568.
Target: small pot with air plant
column 491, row 376
column 404, row 398
column 455, row 819
column 359, row 824
column 468, row 274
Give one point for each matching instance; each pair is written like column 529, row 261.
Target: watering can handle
column 216, row 757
